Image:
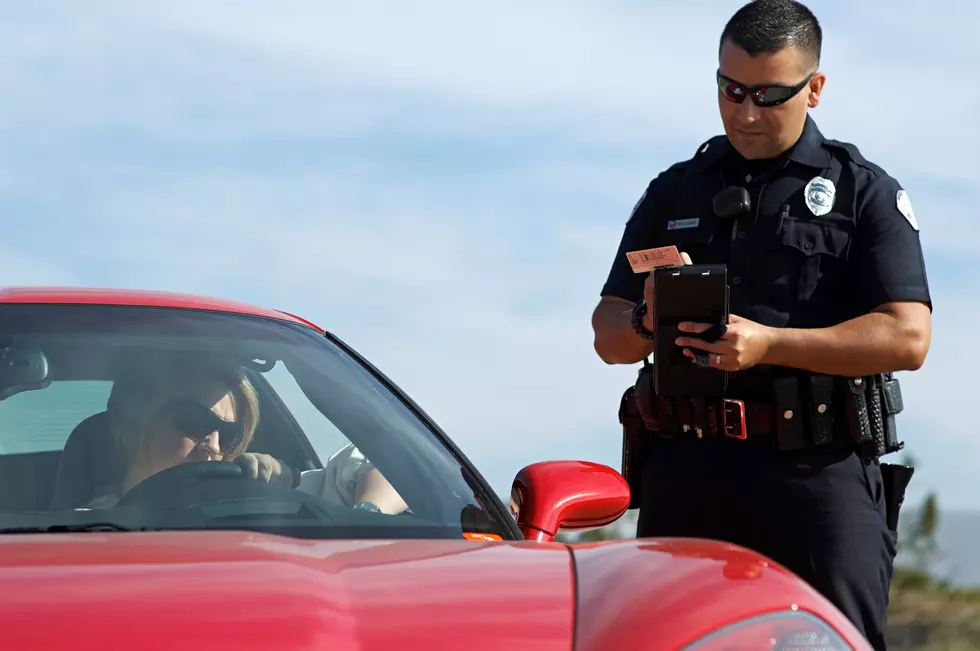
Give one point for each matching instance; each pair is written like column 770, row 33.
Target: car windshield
column 147, row 418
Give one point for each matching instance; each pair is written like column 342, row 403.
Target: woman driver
column 199, row 409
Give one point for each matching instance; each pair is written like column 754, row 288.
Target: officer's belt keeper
column 821, row 409
column 789, row 416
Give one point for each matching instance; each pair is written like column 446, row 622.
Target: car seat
column 90, row 464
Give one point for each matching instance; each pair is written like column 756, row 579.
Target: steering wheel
column 192, row 484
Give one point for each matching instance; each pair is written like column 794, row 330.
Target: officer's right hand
column 648, row 318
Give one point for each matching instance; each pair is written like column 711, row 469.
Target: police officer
column 827, row 282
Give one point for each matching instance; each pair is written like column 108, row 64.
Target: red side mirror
column 550, row 495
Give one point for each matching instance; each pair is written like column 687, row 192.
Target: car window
column 319, row 445
column 321, row 432
column 42, row 420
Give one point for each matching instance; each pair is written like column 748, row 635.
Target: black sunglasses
column 764, row 96
column 197, row 422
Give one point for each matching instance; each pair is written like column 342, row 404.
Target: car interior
column 57, row 455
column 70, row 477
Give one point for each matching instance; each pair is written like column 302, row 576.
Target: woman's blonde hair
column 140, row 391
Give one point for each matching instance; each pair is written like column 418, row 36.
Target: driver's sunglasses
column 197, row 422
column 764, row 96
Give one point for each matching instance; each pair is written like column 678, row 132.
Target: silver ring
column 717, row 359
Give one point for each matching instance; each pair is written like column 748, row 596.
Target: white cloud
column 472, row 171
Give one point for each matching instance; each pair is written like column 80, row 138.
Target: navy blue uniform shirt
column 792, row 262
column 788, row 265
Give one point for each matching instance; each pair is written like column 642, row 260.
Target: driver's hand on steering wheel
column 265, row 468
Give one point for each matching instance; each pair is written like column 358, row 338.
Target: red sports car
column 180, row 472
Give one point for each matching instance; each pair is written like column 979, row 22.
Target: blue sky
column 470, row 172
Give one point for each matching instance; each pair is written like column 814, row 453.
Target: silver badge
column 819, row 194
column 905, row 207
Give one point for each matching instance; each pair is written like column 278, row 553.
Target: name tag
column 678, row 224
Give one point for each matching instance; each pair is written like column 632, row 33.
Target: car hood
column 241, row 591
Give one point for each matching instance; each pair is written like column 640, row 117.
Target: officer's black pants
column 820, row 513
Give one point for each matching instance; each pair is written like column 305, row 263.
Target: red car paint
column 573, row 494
column 666, row 593
column 138, row 298
column 219, row 590
column 243, row 591
column 239, row 591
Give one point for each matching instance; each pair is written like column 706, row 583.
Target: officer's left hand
column 743, row 346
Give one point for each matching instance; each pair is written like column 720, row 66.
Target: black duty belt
column 705, row 417
column 783, row 416
column 803, row 412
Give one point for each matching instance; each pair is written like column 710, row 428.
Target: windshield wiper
column 73, row 528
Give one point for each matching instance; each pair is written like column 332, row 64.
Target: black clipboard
column 698, row 293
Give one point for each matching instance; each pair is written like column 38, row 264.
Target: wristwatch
column 640, row 311
column 371, row 507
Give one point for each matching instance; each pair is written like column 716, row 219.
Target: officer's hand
column 744, row 345
column 648, row 319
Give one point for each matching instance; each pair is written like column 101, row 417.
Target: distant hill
column 957, row 537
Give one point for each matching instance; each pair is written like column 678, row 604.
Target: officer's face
column 765, row 132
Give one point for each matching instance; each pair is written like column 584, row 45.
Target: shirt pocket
column 808, row 258
column 691, row 238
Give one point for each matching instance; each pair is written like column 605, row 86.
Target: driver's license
column 649, row 259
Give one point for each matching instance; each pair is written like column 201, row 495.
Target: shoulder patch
column 638, row 204
column 663, row 186
column 904, row 205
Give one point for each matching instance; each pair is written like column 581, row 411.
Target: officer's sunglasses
column 764, row 96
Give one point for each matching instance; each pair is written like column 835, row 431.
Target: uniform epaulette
column 855, row 155
column 709, row 151
column 706, row 146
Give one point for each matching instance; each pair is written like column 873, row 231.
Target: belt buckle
column 733, row 418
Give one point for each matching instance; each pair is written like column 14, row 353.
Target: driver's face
column 196, row 426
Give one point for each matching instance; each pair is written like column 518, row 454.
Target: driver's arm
column 373, row 487
column 350, row 478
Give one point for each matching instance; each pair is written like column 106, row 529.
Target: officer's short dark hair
column 768, row 26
